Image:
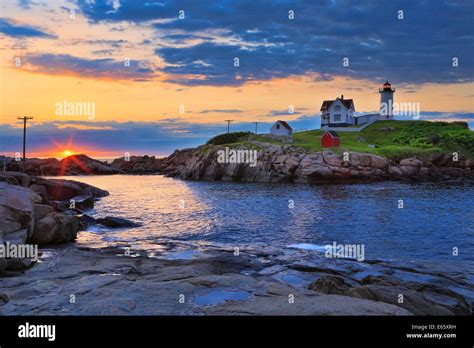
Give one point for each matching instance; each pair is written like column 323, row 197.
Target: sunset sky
column 78, row 51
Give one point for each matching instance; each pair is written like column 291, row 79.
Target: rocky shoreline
column 39, row 211
column 191, row 279
column 274, row 163
column 277, row 163
column 215, row 281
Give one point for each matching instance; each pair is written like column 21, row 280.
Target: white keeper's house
column 340, row 112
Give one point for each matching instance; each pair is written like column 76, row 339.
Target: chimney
column 342, row 96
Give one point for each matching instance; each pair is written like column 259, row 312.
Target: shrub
column 227, row 138
column 433, row 138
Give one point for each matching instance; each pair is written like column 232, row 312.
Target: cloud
column 282, row 113
column 26, row 4
column 11, row 28
column 379, row 46
column 65, row 64
column 220, row 111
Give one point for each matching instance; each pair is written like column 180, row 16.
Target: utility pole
column 256, row 123
column 228, row 125
column 24, row 118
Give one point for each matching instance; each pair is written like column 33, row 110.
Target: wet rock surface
column 216, row 282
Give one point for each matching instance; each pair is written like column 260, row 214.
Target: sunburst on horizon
column 67, row 153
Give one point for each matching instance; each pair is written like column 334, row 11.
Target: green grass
column 408, row 138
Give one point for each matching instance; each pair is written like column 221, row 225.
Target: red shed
column 330, row 139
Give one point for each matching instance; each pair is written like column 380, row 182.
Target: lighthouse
column 386, row 100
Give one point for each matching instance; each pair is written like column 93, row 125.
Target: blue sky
column 190, row 61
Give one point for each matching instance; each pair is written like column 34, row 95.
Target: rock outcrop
column 55, row 228
column 419, row 299
column 72, row 165
column 37, row 210
column 137, row 165
column 287, row 164
column 17, row 213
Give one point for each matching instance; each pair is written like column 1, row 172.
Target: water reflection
column 434, row 218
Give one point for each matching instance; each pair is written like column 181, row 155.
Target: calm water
column 435, row 217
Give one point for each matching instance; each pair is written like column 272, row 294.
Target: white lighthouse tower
column 386, row 101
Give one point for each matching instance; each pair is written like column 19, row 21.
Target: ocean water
column 435, row 218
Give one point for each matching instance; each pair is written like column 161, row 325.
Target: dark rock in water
column 59, row 206
column 85, row 221
column 115, row 222
column 16, row 264
column 83, row 202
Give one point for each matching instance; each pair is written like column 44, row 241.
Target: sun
column 67, row 153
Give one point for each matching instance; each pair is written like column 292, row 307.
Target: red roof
column 286, row 125
column 333, row 134
column 346, row 102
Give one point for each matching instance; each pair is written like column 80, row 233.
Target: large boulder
column 41, row 210
column 16, row 213
column 316, row 171
column 41, row 190
column 61, row 189
column 413, row 162
column 332, row 159
column 379, row 162
column 409, row 170
column 55, row 228
column 413, row 301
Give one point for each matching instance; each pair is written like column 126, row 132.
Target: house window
column 337, row 118
column 337, row 108
column 278, row 126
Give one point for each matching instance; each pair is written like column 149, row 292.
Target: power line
column 228, row 125
column 24, row 118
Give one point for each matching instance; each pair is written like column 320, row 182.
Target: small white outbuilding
column 281, row 128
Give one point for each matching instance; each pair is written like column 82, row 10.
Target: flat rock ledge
column 106, row 282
